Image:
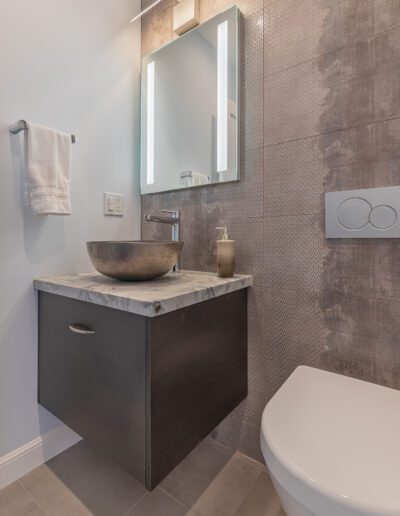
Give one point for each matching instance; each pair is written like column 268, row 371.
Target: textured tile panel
column 293, row 102
column 289, row 262
column 371, row 143
column 361, row 279
column 294, row 334
column 361, row 101
column 293, row 29
column 294, row 175
column 363, row 268
column 386, row 14
column 252, row 48
column 351, row 87
column 210, row 8
column 299, row 30
column 248, row 7
column 363, row 339
column 252, row 115
column 244, row 197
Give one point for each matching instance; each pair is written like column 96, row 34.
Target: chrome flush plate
column 368, row 213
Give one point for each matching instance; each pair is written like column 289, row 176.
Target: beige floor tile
column 261, row 500
column 228, row 490
column 211, row 481
column 83, row 480
column 196, row 472
column 157, row 503
column 16, row 501
column 52, row 495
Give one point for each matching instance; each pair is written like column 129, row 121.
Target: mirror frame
column 143, row 124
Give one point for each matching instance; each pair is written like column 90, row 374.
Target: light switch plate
column 368, row 213
column 113, row 204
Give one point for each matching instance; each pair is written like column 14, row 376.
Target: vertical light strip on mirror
column 222, row 98
column 150, row 121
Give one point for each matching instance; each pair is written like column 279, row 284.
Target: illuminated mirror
column 190, row 112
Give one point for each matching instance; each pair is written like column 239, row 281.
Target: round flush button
column 383, row 217
column 354, row 213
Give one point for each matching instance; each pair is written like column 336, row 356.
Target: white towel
column 199, row 179
column 48, row 170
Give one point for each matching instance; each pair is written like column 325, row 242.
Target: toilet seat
column 333, row 443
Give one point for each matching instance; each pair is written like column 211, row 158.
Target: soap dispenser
column 225, row 255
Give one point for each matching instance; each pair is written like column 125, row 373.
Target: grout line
column 344, row 129
column 322, row 291
column 279, row 215
column 248, row 458
column 246, row 493
column 222, row 445
column 322, row 54
column 172, row 497
column 32, row 497
column 382, row 69
column 263, row 175
column 135, row 503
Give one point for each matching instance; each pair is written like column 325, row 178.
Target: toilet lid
column 330, row 437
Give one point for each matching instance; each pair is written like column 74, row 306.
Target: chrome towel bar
column 21, row 125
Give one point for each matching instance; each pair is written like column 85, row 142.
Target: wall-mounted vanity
column 190, row 108
column 146, row 370
column 143, row 371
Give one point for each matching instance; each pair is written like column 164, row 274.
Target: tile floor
column 211, row 481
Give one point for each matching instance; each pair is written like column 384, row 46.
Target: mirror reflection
column 190, row 108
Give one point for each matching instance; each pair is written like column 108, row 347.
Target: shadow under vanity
column 143, row 371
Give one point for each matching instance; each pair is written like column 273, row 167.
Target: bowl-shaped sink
column 135, row 260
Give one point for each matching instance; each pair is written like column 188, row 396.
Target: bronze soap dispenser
column 225, row 255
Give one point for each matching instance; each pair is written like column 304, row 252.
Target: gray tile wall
column 320, row 112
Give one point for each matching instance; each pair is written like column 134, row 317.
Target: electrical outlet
column 113, row 204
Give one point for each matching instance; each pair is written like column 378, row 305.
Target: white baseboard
column 21, row 461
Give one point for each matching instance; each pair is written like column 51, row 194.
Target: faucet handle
column 174, row 213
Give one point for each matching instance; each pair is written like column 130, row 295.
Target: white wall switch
column 113, row 204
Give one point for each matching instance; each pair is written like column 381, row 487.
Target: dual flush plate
column 368, row 213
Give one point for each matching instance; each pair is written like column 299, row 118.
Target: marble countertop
column 148, row 298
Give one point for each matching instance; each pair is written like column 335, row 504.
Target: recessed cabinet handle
column 82, row 330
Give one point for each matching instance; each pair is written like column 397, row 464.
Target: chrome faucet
column 174, row 220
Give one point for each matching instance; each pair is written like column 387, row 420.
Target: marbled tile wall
column 320, row 112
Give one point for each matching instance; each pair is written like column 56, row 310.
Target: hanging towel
column 199, row 179
column 48, row 170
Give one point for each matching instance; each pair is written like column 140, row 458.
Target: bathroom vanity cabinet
column 144, row 388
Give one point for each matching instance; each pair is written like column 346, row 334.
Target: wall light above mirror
column 190, row 108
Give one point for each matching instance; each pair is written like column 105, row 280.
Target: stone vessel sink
column 134, row 260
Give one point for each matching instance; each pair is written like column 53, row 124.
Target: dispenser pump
column 225, row 232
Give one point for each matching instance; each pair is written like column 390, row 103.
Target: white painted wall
column 74, row 65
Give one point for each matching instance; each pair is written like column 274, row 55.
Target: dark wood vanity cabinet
column 143, row 390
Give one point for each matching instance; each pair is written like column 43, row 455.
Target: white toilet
column 332, row 445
